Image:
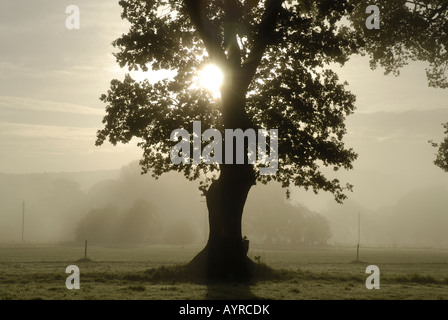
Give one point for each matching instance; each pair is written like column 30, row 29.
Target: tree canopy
column 279, row 54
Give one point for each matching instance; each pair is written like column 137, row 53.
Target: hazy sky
column 51, row 79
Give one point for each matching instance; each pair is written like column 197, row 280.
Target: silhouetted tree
column 273, row 55
column 317, row 230
column 139, row 224
column 442, row 151
column 179, row 232
column 98, row 226
column 275, row 222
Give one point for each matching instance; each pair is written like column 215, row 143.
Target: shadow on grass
column 217, row 290
column 181, row 273
column 235, row 291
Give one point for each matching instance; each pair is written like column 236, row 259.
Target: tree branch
column 210, row 36
column 438, row 11
column 233, row 13
column 262, row 38
column 433, row 12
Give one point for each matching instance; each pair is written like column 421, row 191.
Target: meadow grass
column 156, row 272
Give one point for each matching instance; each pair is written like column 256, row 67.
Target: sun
column 210, row 78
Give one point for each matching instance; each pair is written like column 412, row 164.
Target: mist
column 72, row 207
column 123, row 207
column 126, row 208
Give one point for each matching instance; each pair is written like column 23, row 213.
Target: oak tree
column 275, row 56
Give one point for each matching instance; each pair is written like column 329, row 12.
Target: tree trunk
column 225, row 255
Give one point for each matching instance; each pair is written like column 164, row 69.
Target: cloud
column 28, row 104
column 413, row 126
column 41, row 58
column 45, row 141
column 49, row 148
column 10, row 130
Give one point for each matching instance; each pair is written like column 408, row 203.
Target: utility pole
column 23, row 219
column 359, row 236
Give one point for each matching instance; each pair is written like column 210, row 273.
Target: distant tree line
column 138, row 224
column 280, row 224
column 128, row 208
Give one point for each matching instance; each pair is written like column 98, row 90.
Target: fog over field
column 123, row 208
column 50, row 82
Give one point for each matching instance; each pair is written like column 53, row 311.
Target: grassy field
column 38, row 272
